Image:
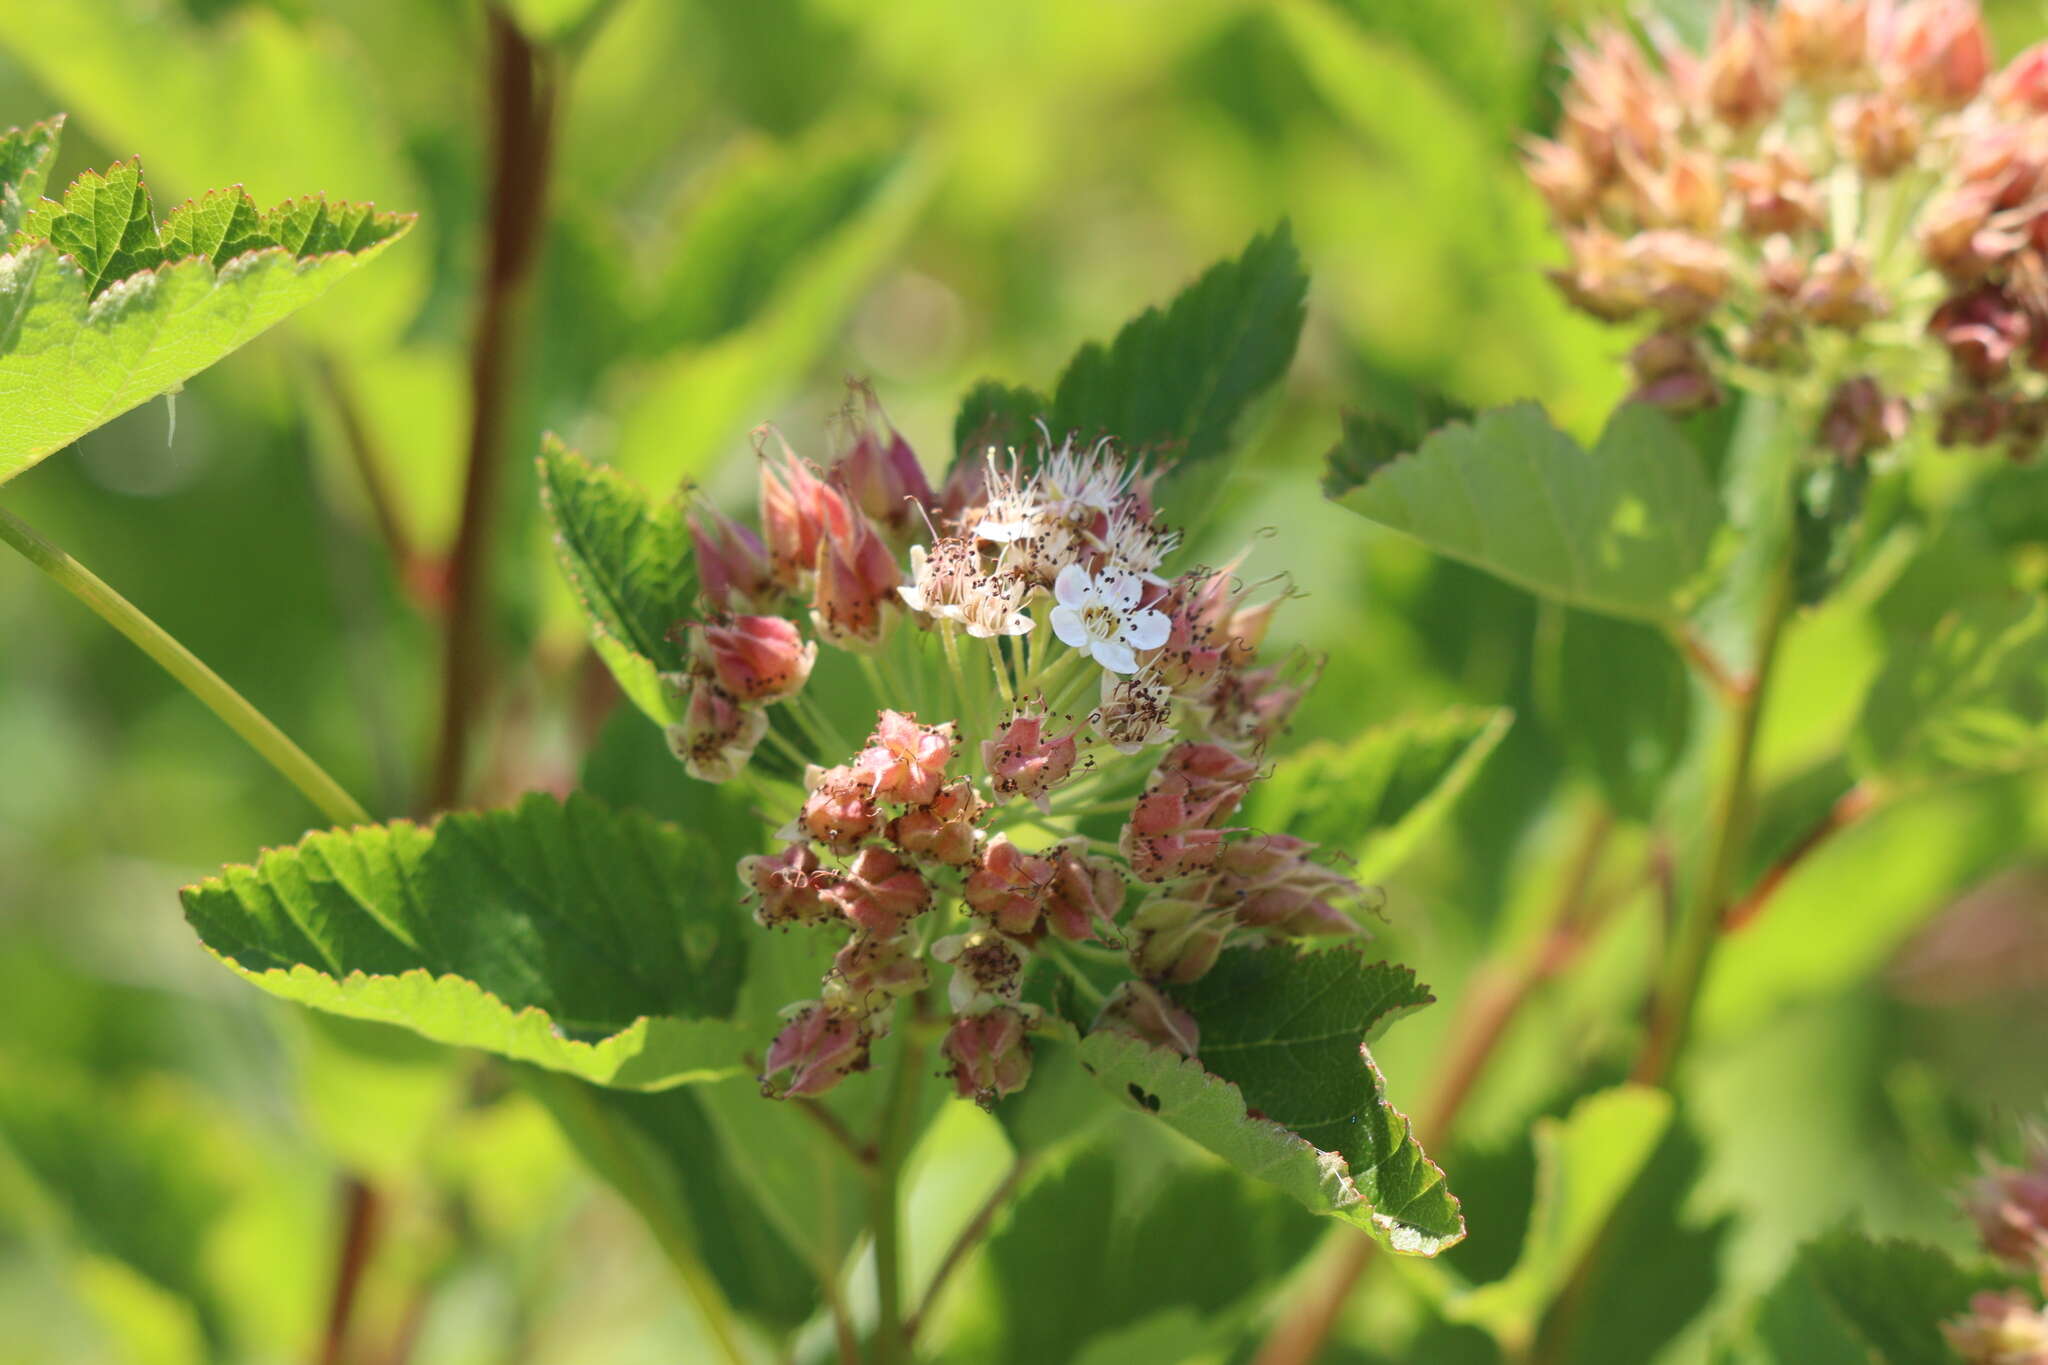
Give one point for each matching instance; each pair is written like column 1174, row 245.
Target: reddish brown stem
column 1851, row 806
column 420, row 579
column 522, row 120
column 358, row 1237
column 970, row 1237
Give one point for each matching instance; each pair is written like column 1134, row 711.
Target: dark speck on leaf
column 1150, row 1102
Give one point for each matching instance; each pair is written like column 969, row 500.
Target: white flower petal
column 1146, row 629
column 913, row 597
column 1120, row 588
column 1072, row 589
column 1067, row 624
column 1018, row 624
column 1116, row 656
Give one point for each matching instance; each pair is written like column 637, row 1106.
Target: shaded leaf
column 997, row 416
column 1285, row 1090
column 661, row 1153
column 1378, row 795
column 1620, row 699
column 100, row 310
column 1110, row 1246
column 1585, row 1163
column 1178, row 380
column 564, row 934
column 1893, row 1295
column 1625, row 528
column 630, row 564
column 1971, row 700
column 1374, row 439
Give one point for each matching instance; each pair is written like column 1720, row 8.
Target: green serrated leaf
column 1285, row 1090
column 631, row 566
column 1626, row 528
column 1178, row 380
column 1971, row 700
column 101, row 311
column 1893, row 1295
column 564, row 934
column 25, row 156
column 998, row 416
column 1585, row 1163
column 1379, row 794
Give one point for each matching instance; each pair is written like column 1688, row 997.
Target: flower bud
column 1958, row 235
column 2010, row 1208
column 1022, row 760
column 784, row 887
column 717, row 734
column 988, row 970
column 1739, row 75
column 734, row 569
column 991, row 1055
column 1671, row 373
column 1568, row 182
column 2023, row 85
column 880, row 892
column 1839, row 292
column 754, row 658
column 943, row 831
column 1178, row 938
column 1270, row 882
column 794, row 506
column 1086, row 893
column 1141, row 1010
column 881, row 473
column 904, row 761
column 1860, row 419
column 1777, row 194
column 2000, row 1329
column 1603, row 278
column 1972, row 419
column 839, row 813
column 1683, row 274
column 817, row 1048
column 1880, row 133
column 1009, row 887
column 1936, row 52
column 1982, row 330
column 870, row 971
column 857, row 578
column 1821, row 40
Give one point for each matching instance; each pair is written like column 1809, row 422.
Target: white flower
column 947, row 582
column 1137, row 542
column 1100, row 616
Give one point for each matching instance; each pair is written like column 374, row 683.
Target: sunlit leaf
column 101, row 310
column 1380, row 793
column 598, row 943
column 1284, row 1089
column 1625, row 528
column 25, row 156
column 997, row 416
column 630, row 563
column 1894, row 1295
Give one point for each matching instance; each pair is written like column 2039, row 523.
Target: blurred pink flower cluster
column 1838, row 200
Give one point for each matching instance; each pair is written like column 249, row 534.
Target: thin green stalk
column 1056, row 952
column 252, row 725
column 1699, row 926
column 891, row 1147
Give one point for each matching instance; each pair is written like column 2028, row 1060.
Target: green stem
column 252, row 725
column 1699, row 926
column 1056, row 953
column 891, row 1147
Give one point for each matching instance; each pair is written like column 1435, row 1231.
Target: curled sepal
column 1284, row 1089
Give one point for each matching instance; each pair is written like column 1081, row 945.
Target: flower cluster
column 1060, row 735
column 2009, row 1205
column 1836, row 199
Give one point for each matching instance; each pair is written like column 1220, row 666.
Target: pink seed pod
column 905, row 762
column 857, row 577
column 870, row 971
column 718, row 732
column 988, row 969
column 1860, row 419
column 1009, row 887
column 2000, row 1329
column 880, row 472
column 1935, row 52
column 880, row 892
column 991, row 1055
column 945, row 830
column 1023, row 760
column 2009, row 1205
column 815, row 1050
column 1085, row 896
column 785, row 887
column 795, row 507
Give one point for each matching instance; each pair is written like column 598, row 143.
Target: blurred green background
column 749, row 202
